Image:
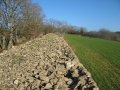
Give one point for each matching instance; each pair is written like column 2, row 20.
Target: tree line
column 102, row 33
column 22, row 20
column 18, row 18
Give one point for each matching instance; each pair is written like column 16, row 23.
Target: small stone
column 48, row 86
column 1, row 75
column 60, row 73
column 84, row 77
column 36, row 71
column 75, row 71
column 21, row 87
column 65, row 79
column 26, row 84
column 75, row 75
column 11, row 89
column 59, row 53
column 69, row 64
column 95, row 88
column 88, row 74
column 69, row 82
column 54, row 81
column 35, row 64
column 16, row 82
column 22, row 79
column 36, row 84
column 36, row 76
column 51, row 69
column 44, row 78
column 43, row 73
column 31, row 80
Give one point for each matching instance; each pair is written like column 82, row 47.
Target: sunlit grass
column 101, row 57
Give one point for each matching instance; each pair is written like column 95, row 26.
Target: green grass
column 100, row 57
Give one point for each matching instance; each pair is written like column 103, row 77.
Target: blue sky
column 91, row 14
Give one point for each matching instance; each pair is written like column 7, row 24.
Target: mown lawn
column 100, row 57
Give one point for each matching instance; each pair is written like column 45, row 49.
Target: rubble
column 46, row 63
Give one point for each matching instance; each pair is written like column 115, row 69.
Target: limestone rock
column 48, row 86
column 44, row 78
column 31, row 79
column 46, row 63
column 1, row 75
column 16, row 82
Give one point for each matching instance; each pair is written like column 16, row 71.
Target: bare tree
column 33, row 18
column 11, row 11
column 83, row 31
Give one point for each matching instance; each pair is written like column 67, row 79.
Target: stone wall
column 46, row 63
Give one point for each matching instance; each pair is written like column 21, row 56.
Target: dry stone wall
column 46, row 63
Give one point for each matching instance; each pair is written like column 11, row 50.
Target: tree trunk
column 3, row 42
column 16, row 36
column 11, row 33
column 11, row 39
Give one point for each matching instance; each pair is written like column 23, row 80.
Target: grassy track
column 101, row 57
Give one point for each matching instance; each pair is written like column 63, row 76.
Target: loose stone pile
column 46, row 63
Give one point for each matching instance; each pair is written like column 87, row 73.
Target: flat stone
column 48, row 86
column 44, row 78
column 75, row 75
column 69, row 82
column 60, row 73
column 43, row 73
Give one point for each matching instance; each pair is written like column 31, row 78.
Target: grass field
column 100, row 57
